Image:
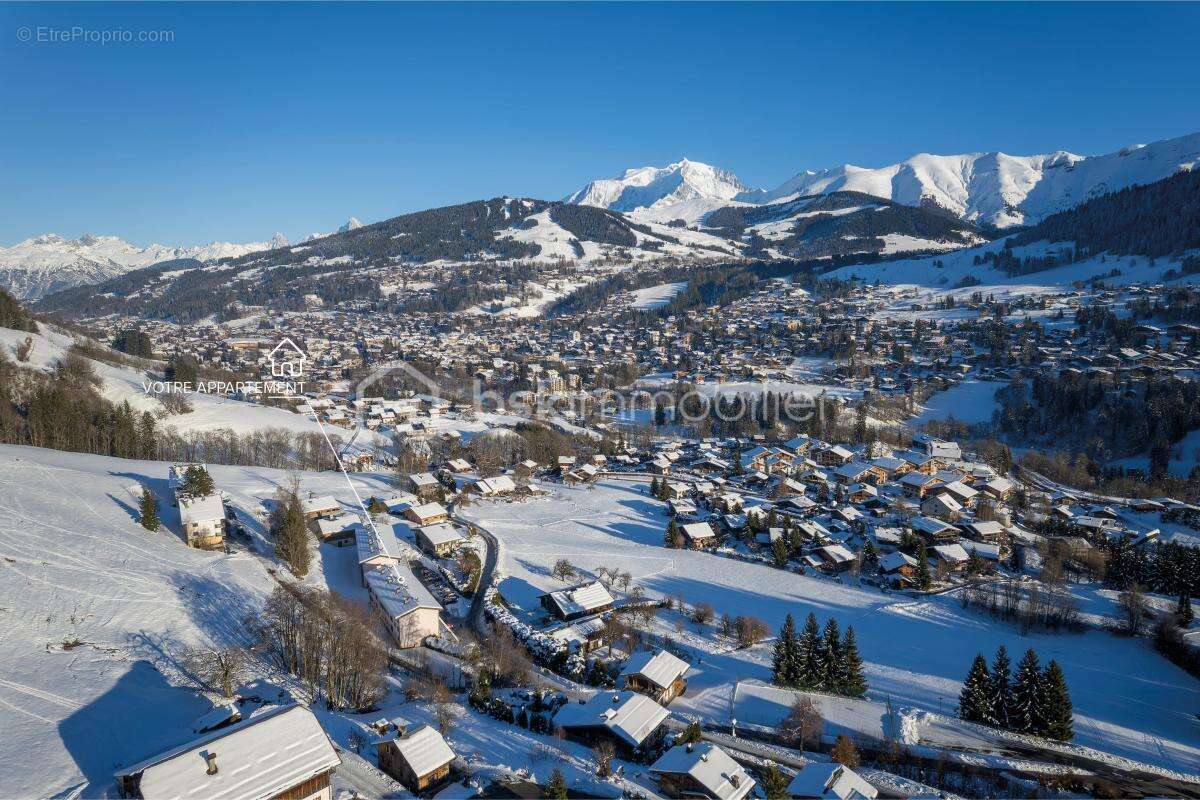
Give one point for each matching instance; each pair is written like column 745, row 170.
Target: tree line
column 816, row 660
column 1033, row 701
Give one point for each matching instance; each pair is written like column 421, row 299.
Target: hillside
column 505, row 238
column 1143, row 234
column 98, row 612
column 839, row 224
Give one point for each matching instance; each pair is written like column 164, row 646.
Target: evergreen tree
column 774, row 783
column 975, row 699
column 809, row 665
column 1002, row 697
column 831, row 648
column 854, row 683
column 1057, row 710
column 1025, row 715
column 197, row 482
column 149, row 510
column 785, row 666
column 1183, row 610
column 556, row 789
column 291, row 534
column 924, row 577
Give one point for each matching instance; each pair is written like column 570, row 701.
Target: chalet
column 965, row 495
column 426, row 514
column 698, row 535
column 527, row 468
column 942, row 506
column 339, row 530
column 578, row 601
column 656, row 675
column 934, row 530
column 898, row 564
column 893, row 468
column 582, row 635
column 861, row 493
column 494, row 487
column 584, row 473
column 424, row 485
column 834, row 456
column 315, row 507
column 859, row 472
column 830, row 781
column 951, row 557
column 408, row 609
column 999, row 488
column 984, row 531
column 631, row 721
column 278, row 752
column 918, row 484
column 835, row 558
column 458, row 465
column 441, row 539
column 419, row 758
column 203, row 520
column 701, row 770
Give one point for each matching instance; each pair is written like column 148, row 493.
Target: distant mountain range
column 990, row 189
column 927, row 203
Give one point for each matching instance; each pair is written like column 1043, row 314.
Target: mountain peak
column 655, row 187
column 351, row 224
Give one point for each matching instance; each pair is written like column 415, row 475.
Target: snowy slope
column 76, row 565
column 1128, row 700
column 43, row 264
column 1000, row 189
column 125, row 384
column 654, row 187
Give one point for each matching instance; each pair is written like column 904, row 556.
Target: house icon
column 287, row 359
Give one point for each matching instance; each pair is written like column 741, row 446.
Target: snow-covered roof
column 315, row 505
column 374, row 541
column 260, row 757
column 582, row 599
column 428, row 510
column 836, row 553
column 661, row 668
column 953, row 553
column 425, row 750
column 697, row 530
column 894, row 561
column 440, row 533
column 201, row 509
column 709, row 766
column 342, row 522
column 497, row 485
column 629, row 715
column 830, row 781
column 395, row 587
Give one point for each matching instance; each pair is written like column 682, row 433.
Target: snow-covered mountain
column 999, row 189
column 351, row 224
column 684, row 182
column 986, row 188
column 37, row 266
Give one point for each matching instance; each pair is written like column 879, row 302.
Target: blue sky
column 295, row 117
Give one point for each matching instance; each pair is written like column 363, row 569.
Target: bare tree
column 803, row 723
column 604, row 752
column 563, row 569
column 25, row 349
column 1133, row 608
column 750, row 631
column 702, row 614
column 221, row 669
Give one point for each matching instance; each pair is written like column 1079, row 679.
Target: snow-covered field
column 656, row 296
column 1128, row 700
column 966, row 401
column 95, row 611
